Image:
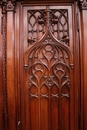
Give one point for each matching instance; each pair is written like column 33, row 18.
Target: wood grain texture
column 45, row 79
column 11, row 70
column 42, row 106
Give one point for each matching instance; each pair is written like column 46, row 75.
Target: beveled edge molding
column 83, row 4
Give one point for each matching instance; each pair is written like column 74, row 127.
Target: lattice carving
column 37, row 20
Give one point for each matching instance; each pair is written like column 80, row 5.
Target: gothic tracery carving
column 58, row 20
column 48, row 57
column 48, row 62
column 51, row 59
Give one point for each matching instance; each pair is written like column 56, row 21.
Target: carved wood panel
column 49, row 64
column 41, row 92
column 49, row 84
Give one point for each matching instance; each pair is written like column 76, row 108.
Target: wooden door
column 49, row 68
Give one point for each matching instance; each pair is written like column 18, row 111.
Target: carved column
column 11, row 65
column 83, row 48
column 9, row 55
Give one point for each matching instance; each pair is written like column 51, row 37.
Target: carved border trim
column 4, row 73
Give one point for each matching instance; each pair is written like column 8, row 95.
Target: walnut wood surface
column 83, row 39
column 43, row 65
column 44, row 107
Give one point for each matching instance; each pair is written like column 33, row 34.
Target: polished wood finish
column 20, row 108
column 85, row 68
column 83, row 39
column 11, row 70
column 33, row 111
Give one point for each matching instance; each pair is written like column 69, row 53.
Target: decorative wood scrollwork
column 48, row 66
column 48, row 62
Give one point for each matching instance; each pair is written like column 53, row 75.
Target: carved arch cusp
column 36, row 45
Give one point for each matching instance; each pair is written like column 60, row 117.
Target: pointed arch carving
column 48, row 54
column 48, row 38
